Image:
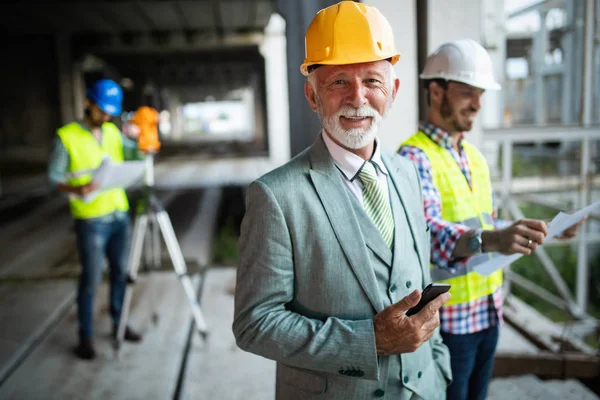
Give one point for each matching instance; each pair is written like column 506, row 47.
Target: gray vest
column 398, row 273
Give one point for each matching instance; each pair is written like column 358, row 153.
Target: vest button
column 408, row 284
column 393, row 288
column 406, row 379
column 420, row 374
column 379, row 393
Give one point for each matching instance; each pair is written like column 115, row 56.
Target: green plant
column 225, row 246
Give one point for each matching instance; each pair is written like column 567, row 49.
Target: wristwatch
column 475, row 242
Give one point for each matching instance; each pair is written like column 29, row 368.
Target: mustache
column 361, row 112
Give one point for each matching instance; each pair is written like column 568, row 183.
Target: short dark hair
column 443, row 83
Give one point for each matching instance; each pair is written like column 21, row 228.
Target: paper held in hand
column 112, row 176
column 562, row 221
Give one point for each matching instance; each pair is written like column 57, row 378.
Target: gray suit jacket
column 306, row 292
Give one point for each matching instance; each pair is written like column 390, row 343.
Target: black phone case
column 429, row 293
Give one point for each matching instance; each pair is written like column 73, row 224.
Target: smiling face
column 457, row 105
column 351, row 100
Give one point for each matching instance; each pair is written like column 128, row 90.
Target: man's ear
column 395, row 88
column 310, row 95
column 436, row 92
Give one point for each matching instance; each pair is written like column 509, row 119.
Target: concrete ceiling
column 220, row 17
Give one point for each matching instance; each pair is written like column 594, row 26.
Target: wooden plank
column 145, row 370
column 219, row 369
column 547, row 364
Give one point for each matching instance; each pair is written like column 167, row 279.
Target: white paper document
column 558, row 224
column 112, row 176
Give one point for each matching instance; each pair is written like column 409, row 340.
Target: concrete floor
column 39, row 326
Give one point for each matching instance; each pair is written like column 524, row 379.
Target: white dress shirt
column 350, row 165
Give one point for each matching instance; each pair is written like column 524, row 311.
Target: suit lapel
column 401, row 184
column 336, row 201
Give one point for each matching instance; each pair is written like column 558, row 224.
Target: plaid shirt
column 480, row 313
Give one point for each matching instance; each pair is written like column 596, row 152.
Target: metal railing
column 509, row 189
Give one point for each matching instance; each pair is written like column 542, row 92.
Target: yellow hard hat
column 348, row 33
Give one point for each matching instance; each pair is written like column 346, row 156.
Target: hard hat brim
column 110, row 109
column 485, row 85
column 304, row 67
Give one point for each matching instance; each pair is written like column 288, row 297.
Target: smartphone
column 432, row 291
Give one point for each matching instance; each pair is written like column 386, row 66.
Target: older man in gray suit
column 334, row 246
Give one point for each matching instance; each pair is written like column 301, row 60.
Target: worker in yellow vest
column 459, row 210
column 102, row 222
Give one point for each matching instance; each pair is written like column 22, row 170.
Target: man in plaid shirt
column 455, row 77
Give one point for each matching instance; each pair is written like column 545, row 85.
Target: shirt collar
column 349, row 163
column 439, row 136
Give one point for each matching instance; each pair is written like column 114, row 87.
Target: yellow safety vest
column 472, row 207
column 86, row 154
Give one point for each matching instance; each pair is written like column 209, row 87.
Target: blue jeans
column 472, row 360
column 97, row 239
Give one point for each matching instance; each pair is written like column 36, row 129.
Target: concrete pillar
column 176, row 116
column 65, row 87
column 78, row 87
column 273, row 50
column 304, row 123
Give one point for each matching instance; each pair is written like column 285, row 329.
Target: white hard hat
column 463, row 61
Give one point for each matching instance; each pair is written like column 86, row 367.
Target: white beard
column 355, row 138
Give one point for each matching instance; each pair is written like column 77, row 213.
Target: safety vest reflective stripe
column 475, row 223
column 470, row 206
column 85, row 154
column 441, row 274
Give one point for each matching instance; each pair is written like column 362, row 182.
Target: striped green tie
column 377, row 203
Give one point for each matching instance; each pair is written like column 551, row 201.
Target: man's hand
column 572, row 231
column 81, row 191
column 395, row 333
column 522, row 237
column 86, row 189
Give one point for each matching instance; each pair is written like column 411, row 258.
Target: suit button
column 393, row 288
column 360, row 373
column 408, row 284
column 379, row 393
column 419, row 375
column 406, row 379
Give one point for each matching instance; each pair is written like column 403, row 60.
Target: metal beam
column 545, row 185
column 536, row 290
column 542, row 332
column 588, row 63
column 555, row 133
column 540, row 46
column 557, row 279
column 543, row 4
